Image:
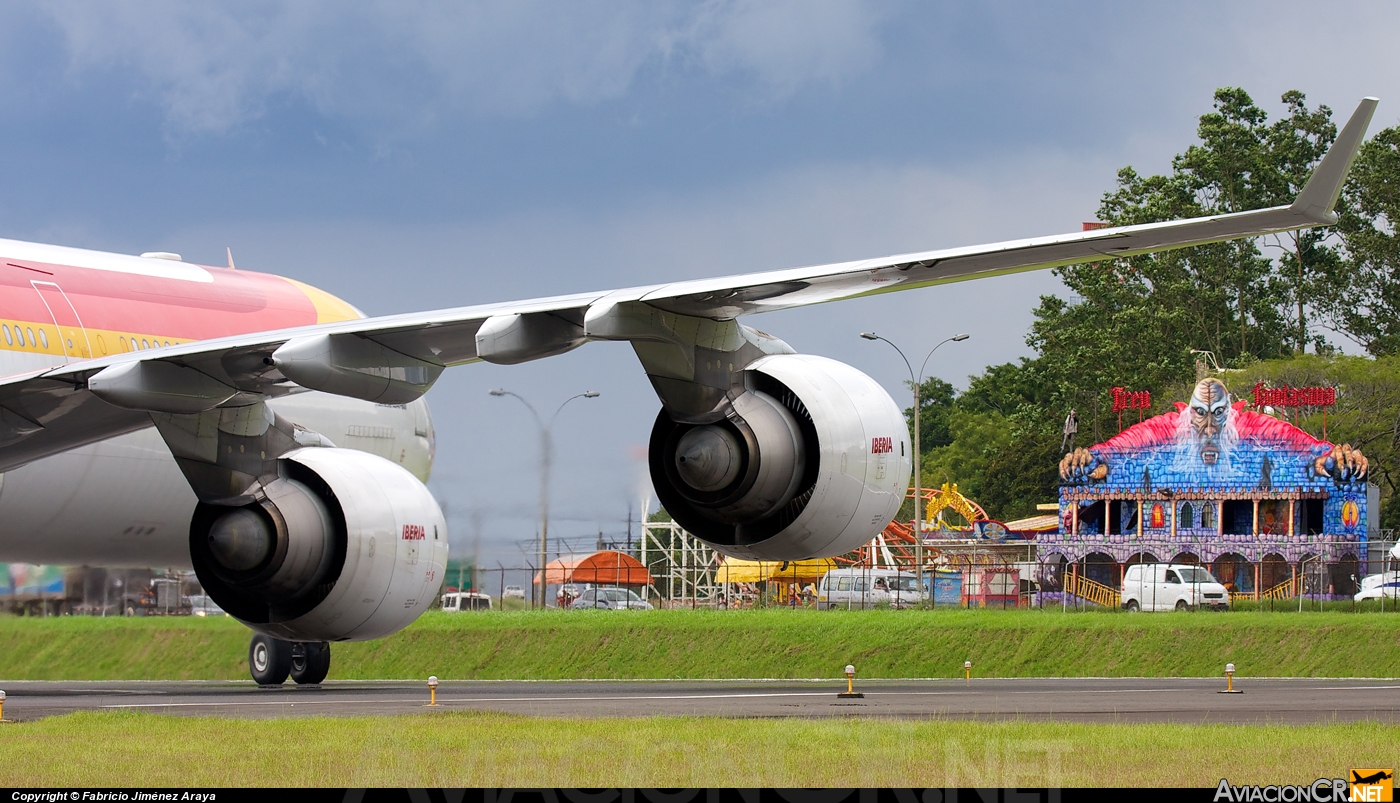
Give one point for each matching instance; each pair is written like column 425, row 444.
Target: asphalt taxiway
column 1184, row 700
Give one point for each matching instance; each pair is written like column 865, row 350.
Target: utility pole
column 546, row 459
column 917, row 381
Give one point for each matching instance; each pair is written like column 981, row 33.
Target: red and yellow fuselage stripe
column 75, row 312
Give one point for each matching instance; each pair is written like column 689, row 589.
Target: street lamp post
column 917, row 381
column 546, row 461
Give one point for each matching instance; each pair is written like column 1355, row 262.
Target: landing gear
column 271, row 661
column 311, row 661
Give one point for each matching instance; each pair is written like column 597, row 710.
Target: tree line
column 1272, row 308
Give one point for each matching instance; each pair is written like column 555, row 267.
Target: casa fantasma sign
column 1286, row 396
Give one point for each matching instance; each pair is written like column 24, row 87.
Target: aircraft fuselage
column 123, row 501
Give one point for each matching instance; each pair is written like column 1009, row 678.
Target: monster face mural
column 1213, row 479
column 1206, row 434
column 1208, row 417
column 1212, row 441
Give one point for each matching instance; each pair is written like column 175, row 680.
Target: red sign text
column 1293, row 397
column 1124, row 399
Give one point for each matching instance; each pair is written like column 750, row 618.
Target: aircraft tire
column 311, row 662
column 269, row 660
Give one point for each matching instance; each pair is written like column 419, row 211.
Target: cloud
column 807, row 215
column 212, row 67
column 785, row 43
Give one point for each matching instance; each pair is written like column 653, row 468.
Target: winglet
column 1318, row 197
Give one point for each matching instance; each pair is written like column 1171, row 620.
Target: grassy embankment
column 456, row 749
column 737, row 644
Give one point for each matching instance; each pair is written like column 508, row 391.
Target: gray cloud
column 212, row 67
column 785, row 43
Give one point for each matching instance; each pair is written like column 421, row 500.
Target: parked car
column 869, row 588
column 1375, row 586
column 513, row 591
column 202, row 605
column 456, row 601
column 1171, row 587
column 611, row 599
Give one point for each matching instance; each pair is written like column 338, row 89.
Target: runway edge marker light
column 1230, row 681
column 432, row 690
column 850, row 683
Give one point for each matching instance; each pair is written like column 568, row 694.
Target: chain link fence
column 1322, row 575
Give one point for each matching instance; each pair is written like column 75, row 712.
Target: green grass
column 738, row 644
column 477, row 749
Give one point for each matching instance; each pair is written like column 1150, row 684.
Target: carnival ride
column 989, row 560
column 896, row 546
column 982, row 557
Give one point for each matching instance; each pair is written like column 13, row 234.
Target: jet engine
column 343, row 546
column 811, row 460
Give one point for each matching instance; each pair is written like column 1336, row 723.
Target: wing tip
column 1319, row 195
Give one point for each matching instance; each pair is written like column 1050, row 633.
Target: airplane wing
column 47, row 412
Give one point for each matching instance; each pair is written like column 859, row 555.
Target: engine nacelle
column 812, row 460
column 345, row 546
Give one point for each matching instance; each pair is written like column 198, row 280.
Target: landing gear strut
column 272, row 660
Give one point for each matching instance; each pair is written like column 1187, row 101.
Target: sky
column 416, row 155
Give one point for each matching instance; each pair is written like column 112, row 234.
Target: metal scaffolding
column 683, row 568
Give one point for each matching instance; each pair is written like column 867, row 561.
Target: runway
column 1182, row 700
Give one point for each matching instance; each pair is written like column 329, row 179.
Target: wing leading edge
column 47, row 412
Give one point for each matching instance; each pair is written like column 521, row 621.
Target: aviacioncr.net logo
column 1323, row 790
column 1372, row 785
column 1364, row 786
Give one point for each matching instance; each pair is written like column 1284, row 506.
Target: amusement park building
column 1254, row 497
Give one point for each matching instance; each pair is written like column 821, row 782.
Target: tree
column 1135, row 322
column 1296, row 144
column 1367, row 414
column 1365, row 300
column 935, row 403
column 981, row 437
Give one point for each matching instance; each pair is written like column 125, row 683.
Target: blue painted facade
column 1250, row 495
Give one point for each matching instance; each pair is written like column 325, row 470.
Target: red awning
column 607, row 568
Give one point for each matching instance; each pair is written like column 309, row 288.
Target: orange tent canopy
column 605, row 568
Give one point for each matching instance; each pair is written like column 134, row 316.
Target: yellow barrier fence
column 1097, row 593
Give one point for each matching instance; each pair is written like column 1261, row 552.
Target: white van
column 1375, row 586
column 868, row 588
column 458, row 601
column 1171, row 587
